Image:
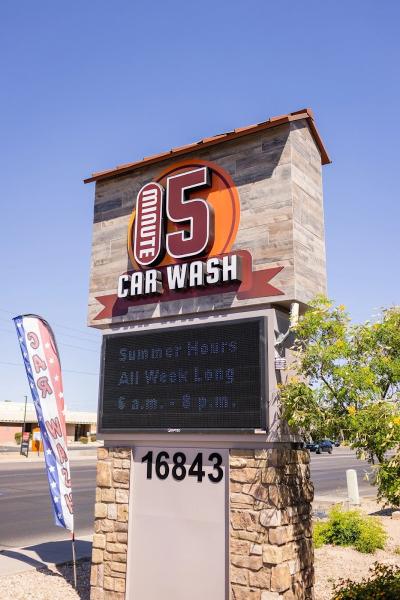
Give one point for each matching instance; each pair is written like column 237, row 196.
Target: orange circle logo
column 191, row 210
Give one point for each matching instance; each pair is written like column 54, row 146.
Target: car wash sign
column 180, row 238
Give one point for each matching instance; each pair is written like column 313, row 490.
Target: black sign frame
column 263, row 357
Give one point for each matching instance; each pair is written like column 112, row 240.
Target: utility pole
column 23, row 427
column 23, row 430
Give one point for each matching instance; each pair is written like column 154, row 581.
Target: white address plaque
column 178, row 530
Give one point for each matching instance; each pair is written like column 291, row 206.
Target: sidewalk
column 338, row 498
column 38, row 556
column 74, row 454
column 72, row 447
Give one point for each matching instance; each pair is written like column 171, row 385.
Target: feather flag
column 43, row 368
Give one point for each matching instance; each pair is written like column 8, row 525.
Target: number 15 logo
column 191, row 209
column 193, row 218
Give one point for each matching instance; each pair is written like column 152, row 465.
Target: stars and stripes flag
column 43, row 368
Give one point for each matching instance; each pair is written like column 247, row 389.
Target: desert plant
column 350, row 528
column 383, row 584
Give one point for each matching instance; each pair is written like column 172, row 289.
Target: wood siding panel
column 279, row 180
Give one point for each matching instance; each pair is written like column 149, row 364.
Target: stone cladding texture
column 271, row 550
column 278, row 175
column 110, row 539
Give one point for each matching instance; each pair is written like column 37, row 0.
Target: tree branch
column 386, row 390
column 328, row 385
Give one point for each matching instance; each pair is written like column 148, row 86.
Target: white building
column 78, row 423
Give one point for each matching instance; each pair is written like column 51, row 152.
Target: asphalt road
column 328, row 473
column 26, row 515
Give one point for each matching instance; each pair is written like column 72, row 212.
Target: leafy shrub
column 83, row 439
column 350, row 528
column 18, row 437
column 372, row 536
column 319, row 534
column 383, row 584
column 93, row 437
column 388, row 479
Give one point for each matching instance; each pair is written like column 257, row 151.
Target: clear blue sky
column 88, row 85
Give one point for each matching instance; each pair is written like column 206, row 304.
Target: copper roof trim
column 305, row 113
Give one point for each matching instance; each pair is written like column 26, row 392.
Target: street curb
column 14, row 565
column 40, row 460
column 69, row 562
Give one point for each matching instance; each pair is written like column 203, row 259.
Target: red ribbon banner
column 254, row 284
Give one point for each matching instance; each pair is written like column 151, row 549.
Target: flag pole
column 74, row 558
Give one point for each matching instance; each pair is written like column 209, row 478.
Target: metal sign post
column 25, row 444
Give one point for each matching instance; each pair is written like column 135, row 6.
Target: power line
column 12, row 364
column 5, row 320
column 6, row 330
column 86, row 331
column 89, row 330
column 63, row 344
column 69, row 335
column 83, row 339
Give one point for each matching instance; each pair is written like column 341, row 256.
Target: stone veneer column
column 110, row 540
column 271, row 550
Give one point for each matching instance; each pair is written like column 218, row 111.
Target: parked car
column 312, row 446
column 321, row 446
column 324, row 446
column 335, row 443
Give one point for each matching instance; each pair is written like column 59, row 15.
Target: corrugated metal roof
column 13, row 412
column 305, row 113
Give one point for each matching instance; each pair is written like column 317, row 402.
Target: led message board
column 202, row 377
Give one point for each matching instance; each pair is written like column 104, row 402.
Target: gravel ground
column 47, row 584
column 333, row 563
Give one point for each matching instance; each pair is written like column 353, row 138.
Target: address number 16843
column 179, row 469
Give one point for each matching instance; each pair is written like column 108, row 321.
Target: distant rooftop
column 13, row 412
column 305, row 113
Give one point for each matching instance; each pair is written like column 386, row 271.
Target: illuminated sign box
column 202, row 377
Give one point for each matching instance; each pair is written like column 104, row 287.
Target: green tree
column 346, row 384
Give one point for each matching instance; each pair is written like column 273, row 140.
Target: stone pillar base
column 110, row 540
column 270, row 542
column 271, row 550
